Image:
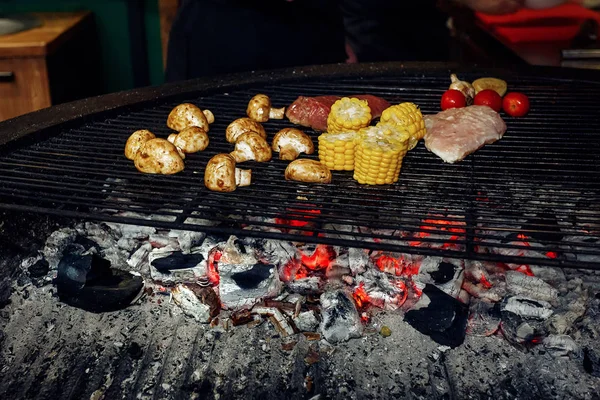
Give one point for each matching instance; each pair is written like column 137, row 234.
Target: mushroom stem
column 239, row 156
column 243, row 177
column 210, row 117
column 288, row 153
column 276, row 113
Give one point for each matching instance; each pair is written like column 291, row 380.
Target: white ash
column 308, row 285
column 187, row 239
column 358, row 260
column 573, row 306
column 180, row 275
column 191, row 304
column 243, row 285
column 385, row 291
column 527, row 307
column 484, row 318
column 551, row 275
column 493, row 294
column 446, row 274
column 278, row 252
column 530, row 286
column 306, row 321
column 562, row 346
column 56, row 244
column 128, row 244
column 139, row 259
column 161, row 240
column 131, row 231
column 341, row 321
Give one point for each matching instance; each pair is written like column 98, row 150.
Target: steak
column 312, row 112
column 455, row 133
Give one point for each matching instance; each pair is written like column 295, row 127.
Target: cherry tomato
column 515, row 104
column 453, row 99
column 490, row 98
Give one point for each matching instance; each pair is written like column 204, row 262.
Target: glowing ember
column 387, row 263
column 525, row 269
column 320, row 259
column 551, row 254
column 301, row 222
column 212, row 269
column 402, row 286
column 439, row 225
column 360, row 296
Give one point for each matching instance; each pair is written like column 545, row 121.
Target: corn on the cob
column 348, row 114
column 378, row 154
column 409, row 116
column 336, row 150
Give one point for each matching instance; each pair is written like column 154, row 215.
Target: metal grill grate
column 532, row 197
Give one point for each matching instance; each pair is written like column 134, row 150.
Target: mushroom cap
column 219, row 174
column 252, row 146
column 158, row 156
column 242, row 125
column 295, row 139
column 259, row 107
column 136, row 141
column 185, row 115
column 305, row 170
column 190, row 140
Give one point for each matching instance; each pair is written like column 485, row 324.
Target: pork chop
column 312, row 112
column 455, row 133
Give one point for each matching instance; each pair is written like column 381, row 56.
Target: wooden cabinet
column 51, row 64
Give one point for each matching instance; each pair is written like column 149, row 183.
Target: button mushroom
column 251, row 146
column 290, row 142
column 306, row 170
column 221, row 175
column 158, row 156
column 242, row 125
column 259, row 109
column 188, row 114
column 190, row 140
column 135, row 142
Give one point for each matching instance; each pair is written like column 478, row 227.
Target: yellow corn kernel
column 336, row 150
column 378, row 154
column 408, row 116
column 348, row 114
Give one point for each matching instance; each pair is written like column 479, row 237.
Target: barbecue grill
column 539, row 182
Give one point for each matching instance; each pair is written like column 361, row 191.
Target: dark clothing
column 212, row 37
column 396, row 30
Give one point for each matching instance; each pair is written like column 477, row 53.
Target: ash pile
column 156, row 313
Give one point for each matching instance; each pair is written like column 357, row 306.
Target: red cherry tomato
column 515, row 104
column 453, row 99
column 488, row 98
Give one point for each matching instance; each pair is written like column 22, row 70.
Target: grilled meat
column 313, row 111
column 455, row 133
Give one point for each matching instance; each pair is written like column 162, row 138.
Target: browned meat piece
column 455, row 133
column 313, row 111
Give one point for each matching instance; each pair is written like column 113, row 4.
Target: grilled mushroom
column 221, row 175
column 190, row 140
column 259, row 109
column 242, row 125
column 135, row 142
column 251, row 146
column 290, row 142
column 158, row 156
column 306, row 170
column 188, row 114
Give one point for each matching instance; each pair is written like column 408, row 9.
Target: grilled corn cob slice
column 336, row 150
column 348, row 114
column 409, row 116
column 378, row 154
